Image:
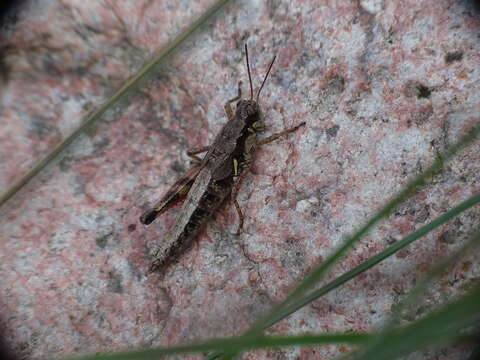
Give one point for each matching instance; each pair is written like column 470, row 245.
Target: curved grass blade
column 413, row 186
column 236, row 344
column 284, row 309
column 364, row 266
column 442, row 219
column 130, row 85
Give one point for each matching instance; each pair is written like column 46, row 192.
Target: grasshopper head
column 249, row 112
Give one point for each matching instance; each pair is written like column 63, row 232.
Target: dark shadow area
column 473, row 6
column 5, row 353
column 8, row 12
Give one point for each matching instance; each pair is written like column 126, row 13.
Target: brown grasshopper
column 211, row 180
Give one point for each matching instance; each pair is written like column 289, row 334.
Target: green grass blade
column 364, row 266
column 413, row 185
column 130, row 85
column 236, row 344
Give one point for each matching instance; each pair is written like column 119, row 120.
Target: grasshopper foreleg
column 228, row 106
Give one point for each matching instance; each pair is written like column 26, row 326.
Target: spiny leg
column 228, row 106
column 193, row 152
column 280, row 134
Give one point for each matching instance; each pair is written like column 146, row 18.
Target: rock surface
column 383, row 87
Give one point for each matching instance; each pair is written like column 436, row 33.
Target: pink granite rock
column 382, row 86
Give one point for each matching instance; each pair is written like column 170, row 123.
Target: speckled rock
column 383, row 87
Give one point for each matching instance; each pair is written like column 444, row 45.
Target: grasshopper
column 216, row 177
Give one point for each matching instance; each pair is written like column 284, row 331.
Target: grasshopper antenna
column 265, row 79
column 249, row 76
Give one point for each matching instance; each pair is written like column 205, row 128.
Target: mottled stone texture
column 383, row 87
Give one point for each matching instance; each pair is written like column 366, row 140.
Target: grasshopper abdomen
column 211, row 200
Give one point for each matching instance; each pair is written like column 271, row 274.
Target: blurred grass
column 236, row 344
column 437, row 328
column 369, row 263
